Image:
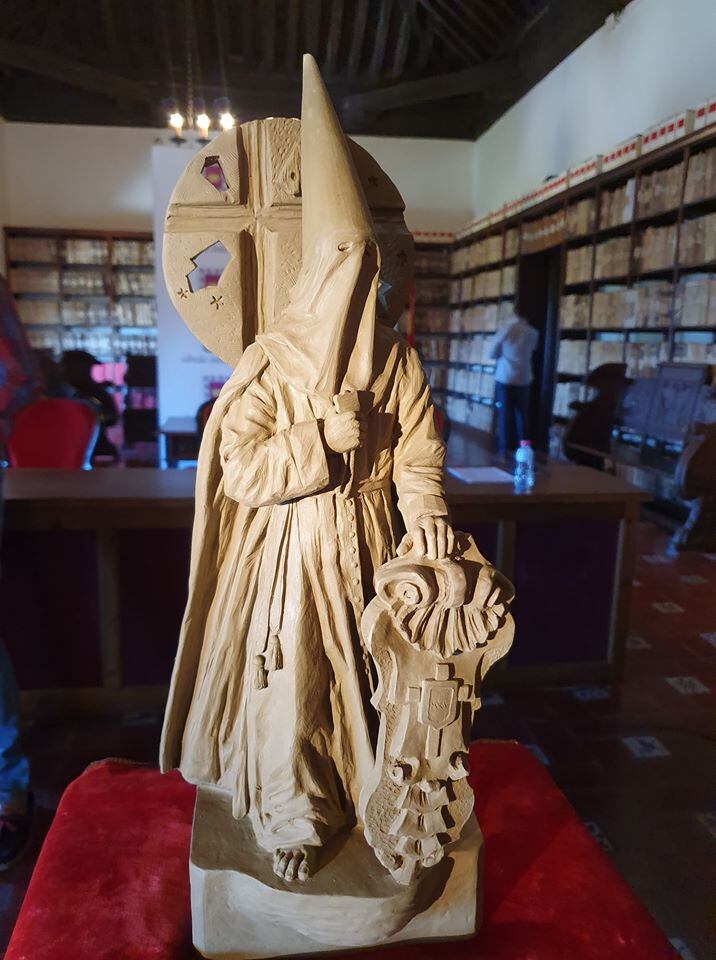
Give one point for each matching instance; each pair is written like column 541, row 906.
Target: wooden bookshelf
column 452, row 351
column 92, row 290
column 84, row 290
column 637, row 268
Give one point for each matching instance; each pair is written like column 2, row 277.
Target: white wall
column 433, row 177
column 54, row 175
column 655, row 60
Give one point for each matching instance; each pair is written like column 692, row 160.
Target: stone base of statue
column 241, row 909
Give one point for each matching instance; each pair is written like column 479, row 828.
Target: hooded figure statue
column 325, row 413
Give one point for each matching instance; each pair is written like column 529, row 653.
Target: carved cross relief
column 244, row 190
column 438, row 703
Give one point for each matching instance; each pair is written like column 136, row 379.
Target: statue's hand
column 430, row 537
column 344, row 432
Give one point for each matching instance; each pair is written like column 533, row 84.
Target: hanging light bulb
column 203, row 122
column 227, row 121
column 176, row 122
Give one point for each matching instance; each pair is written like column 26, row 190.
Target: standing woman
column 512, row 347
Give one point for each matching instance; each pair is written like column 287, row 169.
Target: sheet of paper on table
column 480, row 474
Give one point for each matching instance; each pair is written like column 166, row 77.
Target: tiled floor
column 637, row 759
column 634, row 759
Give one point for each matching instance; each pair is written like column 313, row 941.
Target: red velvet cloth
column 53, row 432
column 111, row 882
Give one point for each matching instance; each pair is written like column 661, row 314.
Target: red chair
column 203, row 414
column 55, row 433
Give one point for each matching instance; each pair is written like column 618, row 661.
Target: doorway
column 538, row 302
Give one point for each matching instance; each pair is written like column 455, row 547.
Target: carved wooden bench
column 664, row 426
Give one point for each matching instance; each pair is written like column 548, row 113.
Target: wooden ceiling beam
column 555, row 34
column 268, row 34
column 43, row 63
column 132, row 41
column 481, row 78
column 290, row 58
column 53, row 19
column 381, row 38
column 163, row 44
column 245, row 83
column 247, row 29
column 312, row 27
column 508, row 9
column 426, row 42
column 526, row 26
column 113, row 53
column 334, row 36
column 479, row 24
column 220, row 34
column 356, row 51
column 451, row 37
column 469, row 25
column 423, row 36
column 430, row 120
column 402, row 44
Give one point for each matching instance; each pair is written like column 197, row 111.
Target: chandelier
column 194, row 118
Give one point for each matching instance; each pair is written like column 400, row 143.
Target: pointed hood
column 323, row 340
column 333, row 197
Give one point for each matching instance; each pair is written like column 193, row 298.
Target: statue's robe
column 283, row 560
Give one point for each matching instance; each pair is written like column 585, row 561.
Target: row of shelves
column 80, row 284
column 681, row 187
column 84, row 290
column 613, row 264
column 611, row 214
column 67, row 250
column 459, row 352
column 683, row 333
column 459, row 365
column 690, row 303
column 107, row 345
column 87, row 313
column 687, row 134
column 478, row 412
column 451, row 352
column 642, row 353
column 668, row 314
column 471, row 318
column 689, row 245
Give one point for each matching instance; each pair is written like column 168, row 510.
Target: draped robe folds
column 280, row 556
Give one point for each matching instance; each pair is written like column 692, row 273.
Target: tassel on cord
column 275, row 655
column 260, row 679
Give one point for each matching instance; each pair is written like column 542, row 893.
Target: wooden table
column 575, row 523
column 136, row 498
column 105, row 503
column 564, row 496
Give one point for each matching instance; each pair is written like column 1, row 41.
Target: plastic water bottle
column 524, row 467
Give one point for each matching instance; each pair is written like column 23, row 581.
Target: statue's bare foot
column 293, row 864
